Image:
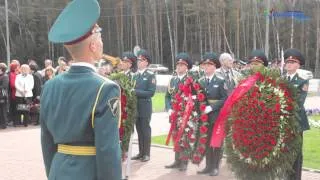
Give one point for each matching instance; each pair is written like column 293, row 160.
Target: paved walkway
column 21, row 157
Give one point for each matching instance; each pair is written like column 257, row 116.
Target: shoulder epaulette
column 149, row 71
column 220, row 77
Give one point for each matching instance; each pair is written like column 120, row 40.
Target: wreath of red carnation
column 262, row 138
column 192, row 144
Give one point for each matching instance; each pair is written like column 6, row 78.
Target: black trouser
column 213, row 157
column 13, row 111
column 297, row 166
column 3, row 115
column 144, row 135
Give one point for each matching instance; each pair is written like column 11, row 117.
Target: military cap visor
column 182, row 61
column 126, row 59
column 256, row 59
column 216, row 63
column 76, row 22
column 294, row 55
column 292, row 59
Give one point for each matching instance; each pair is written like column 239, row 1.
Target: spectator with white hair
column 47, row 64
column 24, row 84
column 228, row 72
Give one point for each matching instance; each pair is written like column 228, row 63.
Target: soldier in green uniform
column 257, row 59
column 293, row 60
column 216, row 93
column 128, row 63
column 144, row 90
column 80, row 109
column 183, row 64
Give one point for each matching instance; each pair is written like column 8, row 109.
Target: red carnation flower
column 204, row 118
column 178, row 97
column 277, row 106
column 196, row 86
column 202, row 107
column 203, row 129
column 173, row 117
column 192, row 140
column 196, row 159
column 177, row 149
column 181, row 87
column 124, row 115
column 201, row 97
column 121, row 132
column 203, row 140
column 289, row 108
column 184, row 158
column 201, row 150
column 189, row 80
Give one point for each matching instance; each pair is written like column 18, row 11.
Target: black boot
column 214, row 172
column 137, row 157
column 175, row 164
column 208, row 167
column 216, row 158
column 183, row 166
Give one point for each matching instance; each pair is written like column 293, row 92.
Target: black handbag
column 23, row 107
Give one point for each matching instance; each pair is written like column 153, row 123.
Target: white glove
column 208, row 109
column 170, row 111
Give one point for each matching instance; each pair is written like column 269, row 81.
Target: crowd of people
column 21, row 89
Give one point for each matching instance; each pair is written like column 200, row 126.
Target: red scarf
column 12, row 80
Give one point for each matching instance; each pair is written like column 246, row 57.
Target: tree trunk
column 170, row 35
column 135, row 21
column 317, row 66
column 238, row 29
column 185, row 47
column 155, row 23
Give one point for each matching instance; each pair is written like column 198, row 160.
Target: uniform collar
column 127, row 72
column 291, row 75
column 182, row 76
column 209, row 77
column 142, row 71
column 85, row 64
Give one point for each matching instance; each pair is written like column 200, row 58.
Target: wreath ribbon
column 185, row 119
column 218, row 132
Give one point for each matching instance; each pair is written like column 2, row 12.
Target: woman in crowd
column 48, row 74
column 24, row 85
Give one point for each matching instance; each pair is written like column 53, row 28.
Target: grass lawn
column 161, row 140
column 311, row 150
column 158, row 102
column 315, row 117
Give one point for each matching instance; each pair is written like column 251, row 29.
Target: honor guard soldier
column 80, row 109
column 144, row 90
column 257, row 59
column 216, row 94
column 128, row 63
column 227, row 71
column 293, row 60
column 183, row 64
